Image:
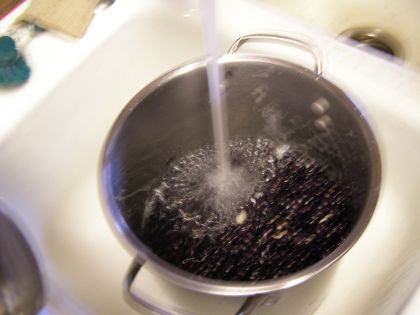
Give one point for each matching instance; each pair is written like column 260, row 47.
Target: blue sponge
column 13, row 68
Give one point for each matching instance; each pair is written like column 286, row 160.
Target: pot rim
column 222, row 287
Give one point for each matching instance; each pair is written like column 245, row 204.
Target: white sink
column 49, row 155
column 400, row 19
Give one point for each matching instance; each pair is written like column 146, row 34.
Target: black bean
column 301, row 216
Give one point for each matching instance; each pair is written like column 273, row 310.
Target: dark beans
column 298, row 214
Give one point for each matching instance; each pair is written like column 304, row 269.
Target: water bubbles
column 258, row 195
column 214, row 196
column 281, row 150
column 275, row 212
column 229, row 189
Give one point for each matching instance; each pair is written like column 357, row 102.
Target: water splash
column 281, row 213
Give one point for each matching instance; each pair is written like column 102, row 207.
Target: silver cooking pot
column 265, row 97
column 21, row 286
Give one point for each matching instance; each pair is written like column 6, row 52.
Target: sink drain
column 375, row 38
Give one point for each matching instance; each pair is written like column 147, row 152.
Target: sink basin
column 399, row 19
column 49, row 156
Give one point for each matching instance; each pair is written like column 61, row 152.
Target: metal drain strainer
column 375, row 38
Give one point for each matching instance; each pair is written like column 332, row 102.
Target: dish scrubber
column 70, row 17
column 13, row 68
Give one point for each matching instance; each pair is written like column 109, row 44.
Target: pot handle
column 288, row 39
column 246, row 309
column 134, row 299
column 250, row 304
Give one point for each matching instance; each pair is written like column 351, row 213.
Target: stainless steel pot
column 21, row 287
column 265, row 96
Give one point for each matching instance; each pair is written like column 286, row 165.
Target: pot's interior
column 264, row 98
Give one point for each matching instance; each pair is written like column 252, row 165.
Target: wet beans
column 295, row 214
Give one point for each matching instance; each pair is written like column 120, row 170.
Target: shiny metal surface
column 134, row 299
column 21, row 288
column 250, row 304
column 170, row 117
column 375, row 38
column 286, row 39
column 102, row 5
